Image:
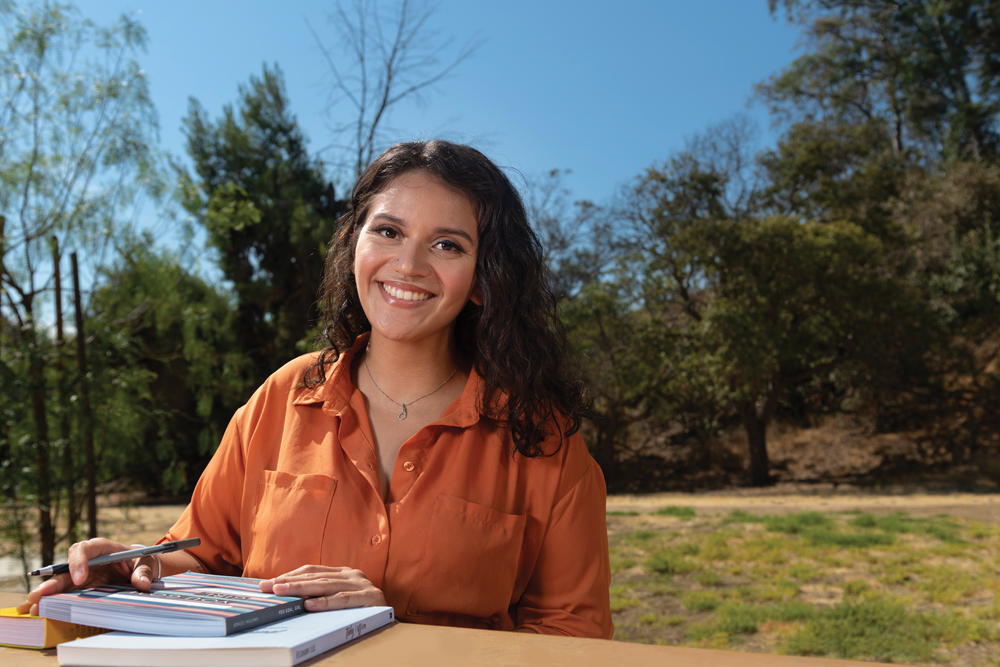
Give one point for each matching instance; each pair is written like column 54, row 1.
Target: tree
column 927, row 71
column 77, row 127
column 170, row 373
column 796, row 301
column 755, row 304
column 268, row 212
column 393, row 55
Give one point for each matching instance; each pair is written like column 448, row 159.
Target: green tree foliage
column 925, row 71
column 268, row 212
column 795, row 302
column 76, row 130
column 752, row 305
column 171, row 374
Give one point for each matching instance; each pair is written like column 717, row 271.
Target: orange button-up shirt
column 468, row 536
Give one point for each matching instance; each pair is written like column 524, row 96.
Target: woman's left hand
column 326, row 587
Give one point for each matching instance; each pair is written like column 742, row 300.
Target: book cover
column 26, row 631
column 284, row 643
column 189, row 604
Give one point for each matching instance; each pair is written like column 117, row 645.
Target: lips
column 405, row 295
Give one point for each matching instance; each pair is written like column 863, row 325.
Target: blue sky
column 601, row 88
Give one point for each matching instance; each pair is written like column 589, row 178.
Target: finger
column 142, row 576
column 322, row 586
column 81, row 552
column 319, row 572
column 311, row 570
column 370, row 597
column 56, row 584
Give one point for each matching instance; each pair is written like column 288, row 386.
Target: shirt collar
column 335, row 394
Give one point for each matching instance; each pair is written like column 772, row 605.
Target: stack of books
column 26, row 631
column 201, row 619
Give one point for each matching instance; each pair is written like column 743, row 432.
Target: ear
column 477, row 296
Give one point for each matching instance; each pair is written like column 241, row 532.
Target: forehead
column 417, row 196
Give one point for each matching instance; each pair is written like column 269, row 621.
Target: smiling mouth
column 404, row 295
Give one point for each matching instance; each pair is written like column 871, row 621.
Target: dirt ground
column 802, row 498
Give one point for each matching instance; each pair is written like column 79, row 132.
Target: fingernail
column 143, row 577
column 280, row 587
column 310, row 603
column 75, row 573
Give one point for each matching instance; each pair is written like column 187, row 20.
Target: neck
column 406, row 370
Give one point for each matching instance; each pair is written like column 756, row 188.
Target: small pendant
column 402, row 412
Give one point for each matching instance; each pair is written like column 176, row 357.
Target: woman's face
column 415, row 260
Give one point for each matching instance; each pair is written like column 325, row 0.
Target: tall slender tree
column 268, row 212
column 75, row 151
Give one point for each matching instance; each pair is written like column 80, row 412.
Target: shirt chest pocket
column 470, row 561
column 289, row 511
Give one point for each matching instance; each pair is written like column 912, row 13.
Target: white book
column 284, row 643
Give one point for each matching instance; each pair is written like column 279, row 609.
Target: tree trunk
column 606, row 452
column 86, row 417
column 36, row 371
column 65, row 433
column 756, row 429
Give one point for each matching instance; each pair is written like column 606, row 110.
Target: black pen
column 164, row 548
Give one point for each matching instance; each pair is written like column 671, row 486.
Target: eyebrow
column 437, row 230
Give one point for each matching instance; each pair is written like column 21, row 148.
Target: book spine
column 255, row 619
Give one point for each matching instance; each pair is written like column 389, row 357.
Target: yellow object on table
column 27, row 631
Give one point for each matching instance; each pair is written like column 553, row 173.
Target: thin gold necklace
column 402, row 406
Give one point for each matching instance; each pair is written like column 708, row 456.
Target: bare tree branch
column 391, row 56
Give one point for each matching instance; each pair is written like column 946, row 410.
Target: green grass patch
column 717, row 547
column 739, row 516
column 940, row 527
column 684, row 513
column 670, row 563
column 701, row 600
column 794, row 524
column 804, row 572
column 621, row 562
column 828, row 537
column 623, row 597
column 643, row 535
column 687, row 549
column 880, row 630
column 617, row 513
column 739, row 618
column 708, row 578
column 718, row 580
column 856, row 587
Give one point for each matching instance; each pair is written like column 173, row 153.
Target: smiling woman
column 429, row 457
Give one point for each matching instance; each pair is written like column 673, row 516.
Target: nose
column 412, row 260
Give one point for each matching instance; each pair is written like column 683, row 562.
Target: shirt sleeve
column 215, row 508
column 567, row 593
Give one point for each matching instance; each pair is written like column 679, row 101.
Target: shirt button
column 371, row 465
column 408, row 466
column 376, row 540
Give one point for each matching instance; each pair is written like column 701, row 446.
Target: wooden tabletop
column 405, row 645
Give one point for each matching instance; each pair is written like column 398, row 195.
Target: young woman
column 428, row 458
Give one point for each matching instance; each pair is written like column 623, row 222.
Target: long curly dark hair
column 514, row 339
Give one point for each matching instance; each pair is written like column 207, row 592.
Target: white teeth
column 405, row 296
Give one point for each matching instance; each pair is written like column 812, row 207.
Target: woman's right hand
column 136, row 571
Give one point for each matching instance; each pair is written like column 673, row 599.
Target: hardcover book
column 189, row 605
column 284, row 643
column 26, row 631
